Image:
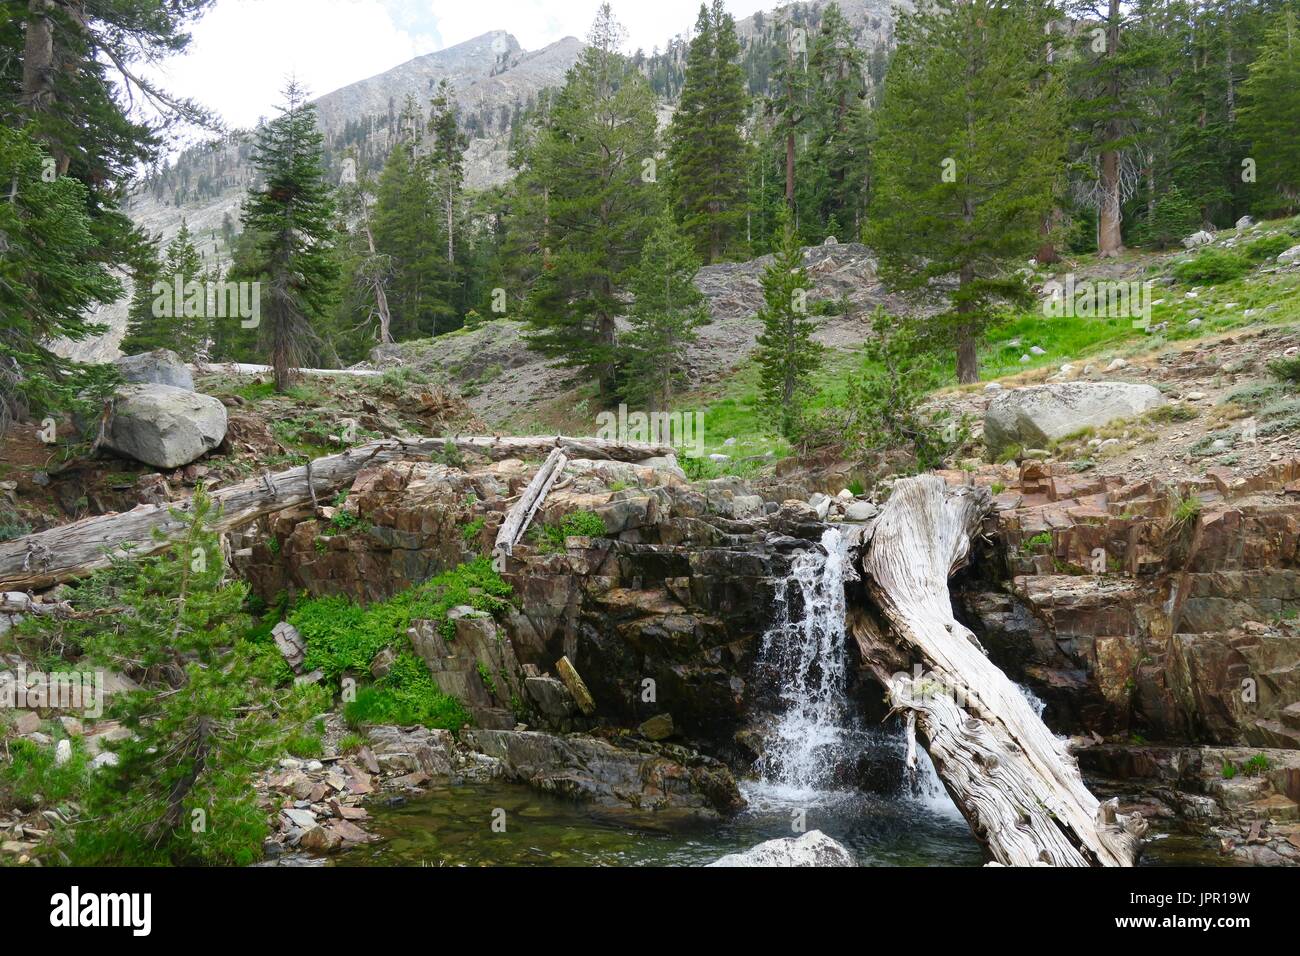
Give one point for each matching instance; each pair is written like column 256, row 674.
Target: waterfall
column 806, row 647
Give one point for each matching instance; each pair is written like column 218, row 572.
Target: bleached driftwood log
column 77, row 549
column 1016, row 784
column 517, row 519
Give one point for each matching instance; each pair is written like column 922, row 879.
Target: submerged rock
column 814, row 848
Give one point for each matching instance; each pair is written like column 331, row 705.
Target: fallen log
column 75, row 550
column 517, row 519
column 1015, row 783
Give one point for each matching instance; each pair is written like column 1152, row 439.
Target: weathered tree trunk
column 77, row 549
column 516, row 523
column 1110, row 238
column 1016, row 784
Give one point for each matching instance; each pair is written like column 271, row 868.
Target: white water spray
column 807, row 649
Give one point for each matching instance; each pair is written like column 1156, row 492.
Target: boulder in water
column 814, row 848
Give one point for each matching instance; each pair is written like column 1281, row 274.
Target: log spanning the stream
column 1015, row 783
column 75, row 550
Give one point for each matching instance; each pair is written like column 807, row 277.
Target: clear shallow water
column 452, row 827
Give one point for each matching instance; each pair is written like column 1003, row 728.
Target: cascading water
column 806, row 647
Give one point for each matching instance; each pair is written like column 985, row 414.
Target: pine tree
column 181, row 328
column 1271, row 113
column 970, row 144
column 786, row 354
column 789, row 103
column 447, row 159
column 1104, row 109
column 838, row 138
column 204, row 719
column 667, row 310
column 49, row 280
column 409, row 232
column 706, row 148
column 292, row 218
column 367, row 272
column 71, row 72
column 591, row 160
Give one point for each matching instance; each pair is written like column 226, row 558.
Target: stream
column 793, row 789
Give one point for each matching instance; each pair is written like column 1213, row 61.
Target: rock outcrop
column 656, row 778
column 1162, row 610
column 663, row 613
column 165, row 426
column 1035, row 416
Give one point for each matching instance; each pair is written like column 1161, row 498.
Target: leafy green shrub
column 1040, row 540
column 1212, row 266
column 343, row 637
column 580, row 524
column 1267, row 247
column 1229, row 770
column 473, row 529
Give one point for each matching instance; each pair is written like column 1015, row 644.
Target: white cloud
column 244, row 50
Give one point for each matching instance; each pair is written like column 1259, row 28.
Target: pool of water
column 453, row 826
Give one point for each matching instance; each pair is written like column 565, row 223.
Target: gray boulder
column 814, row 848
column 159, row 367
column 1200, row 238
column 164, row 426
column 1040, row 414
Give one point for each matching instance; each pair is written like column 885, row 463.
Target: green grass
column 304, row 744
column 261, row 391
column 549, row 539
column 1286, row 369
column 30, row 777
column 351, row 743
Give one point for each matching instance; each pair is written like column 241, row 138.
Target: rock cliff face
column 661, row 616
column 1161, row 610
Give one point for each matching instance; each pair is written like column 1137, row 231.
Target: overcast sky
column 243, row 50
